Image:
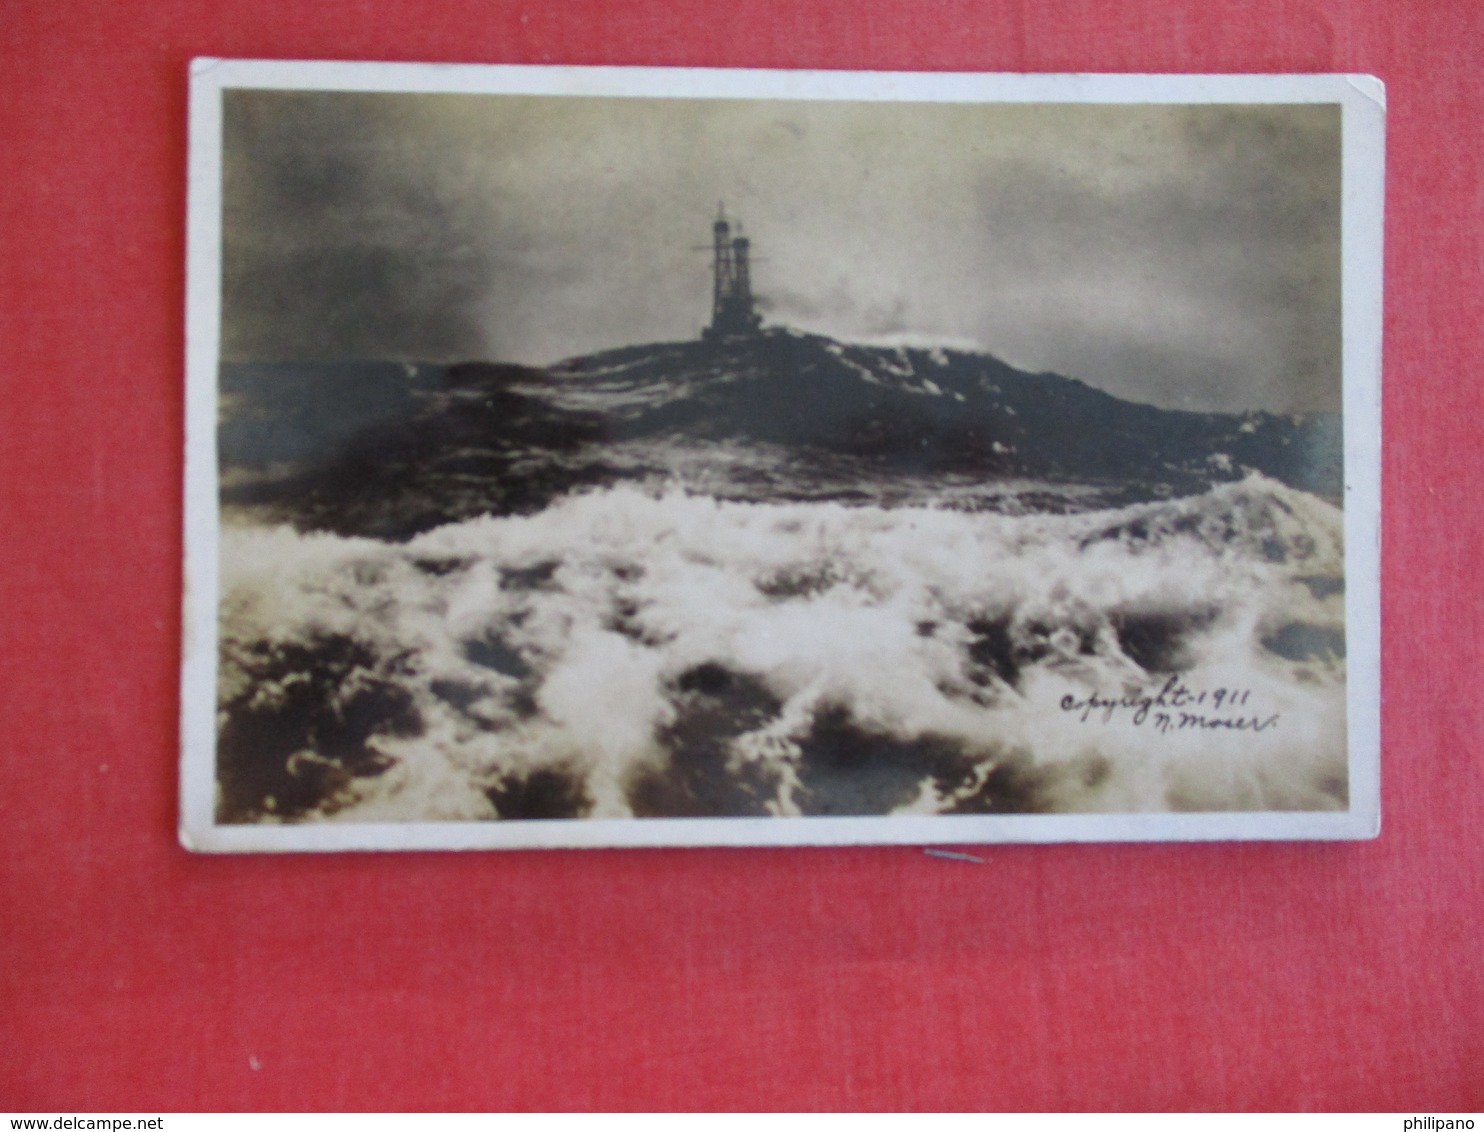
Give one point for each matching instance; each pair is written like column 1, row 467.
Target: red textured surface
column 133, row 976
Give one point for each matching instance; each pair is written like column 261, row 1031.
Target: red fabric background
column 134, row 976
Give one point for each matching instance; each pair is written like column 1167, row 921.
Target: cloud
column 1182, row 255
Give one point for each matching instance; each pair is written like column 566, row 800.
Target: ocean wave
column 626, row 652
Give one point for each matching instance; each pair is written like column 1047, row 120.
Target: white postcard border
column 1363, row 101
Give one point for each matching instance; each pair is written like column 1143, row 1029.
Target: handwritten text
column 1175, row 707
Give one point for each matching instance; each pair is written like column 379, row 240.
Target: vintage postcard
column 607, row 456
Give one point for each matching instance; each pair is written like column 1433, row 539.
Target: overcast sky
column 1185, row 256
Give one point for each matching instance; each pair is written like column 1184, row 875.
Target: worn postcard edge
column 1362, row 99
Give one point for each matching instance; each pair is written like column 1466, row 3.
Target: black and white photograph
column 602, row 458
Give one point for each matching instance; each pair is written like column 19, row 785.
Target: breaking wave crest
column 626, row 653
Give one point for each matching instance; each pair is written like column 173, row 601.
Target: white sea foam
column 927, row 652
